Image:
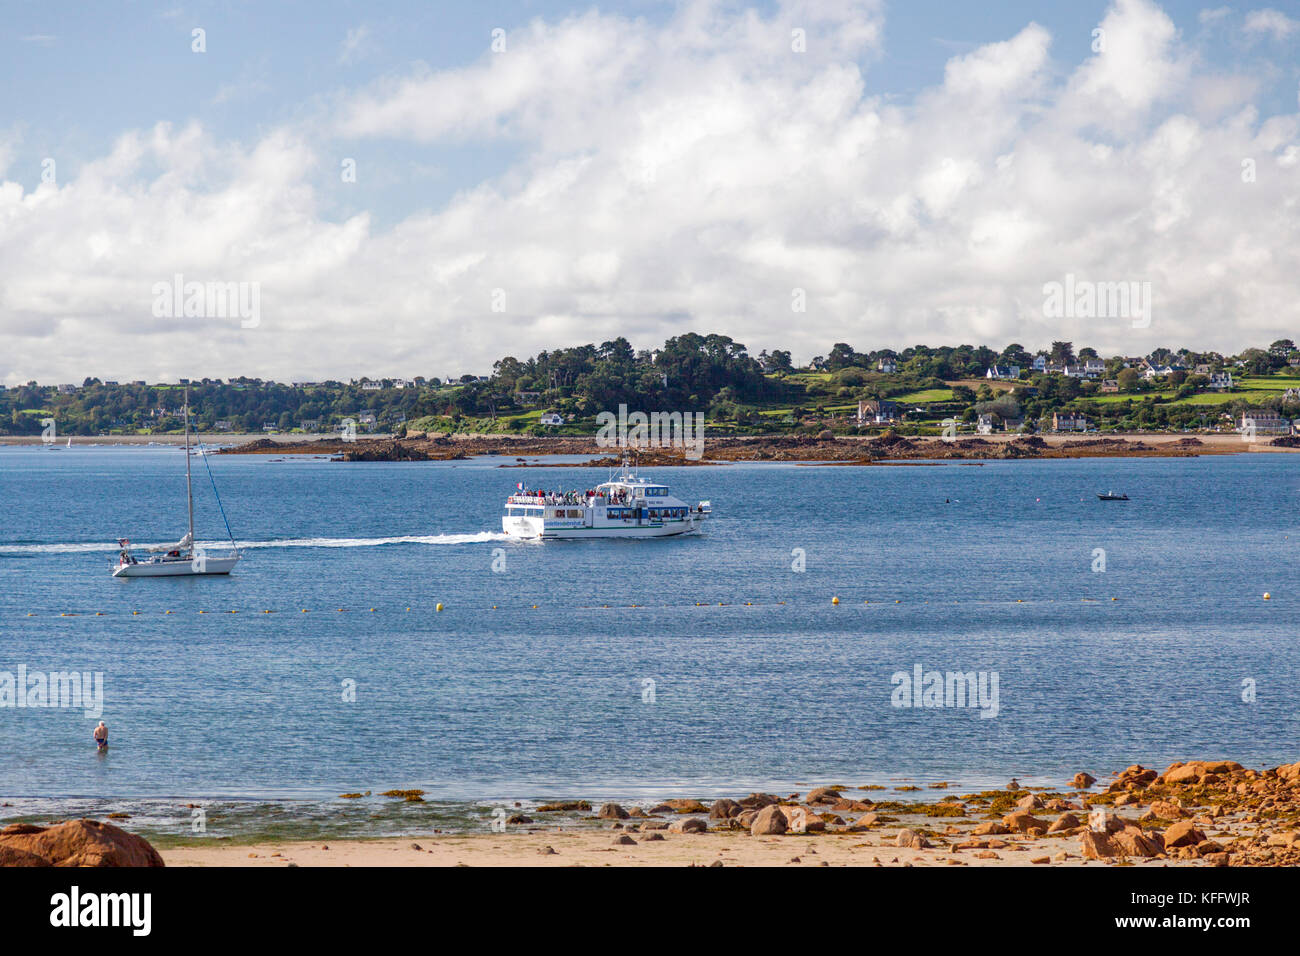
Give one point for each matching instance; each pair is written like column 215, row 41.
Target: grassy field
column 926, row 395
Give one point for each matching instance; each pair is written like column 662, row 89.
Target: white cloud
column 356, row 44
column 685, row 176
column 1275, row 23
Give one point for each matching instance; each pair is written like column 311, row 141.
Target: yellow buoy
column 1267, row 596
column 835, row 600
column 437, row 607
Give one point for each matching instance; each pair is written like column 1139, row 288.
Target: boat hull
column 532, row 529
column 173, row 569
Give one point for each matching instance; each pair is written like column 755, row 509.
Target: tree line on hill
column 690, row 372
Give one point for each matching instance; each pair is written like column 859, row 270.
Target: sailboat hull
column 176, row 568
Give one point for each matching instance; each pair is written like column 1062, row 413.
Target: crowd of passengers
column 577, row 497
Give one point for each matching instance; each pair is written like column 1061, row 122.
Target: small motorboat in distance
column 1111, row 496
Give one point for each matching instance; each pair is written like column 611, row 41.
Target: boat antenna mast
column 189, row 491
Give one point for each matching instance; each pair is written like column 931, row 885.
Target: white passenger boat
column 626, row 506
column 181, row 558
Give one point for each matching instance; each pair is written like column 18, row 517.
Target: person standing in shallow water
column 101, row 736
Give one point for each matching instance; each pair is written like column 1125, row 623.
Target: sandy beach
column 729, row 848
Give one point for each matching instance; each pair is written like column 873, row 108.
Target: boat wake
column 475, row 538
column 427, row 539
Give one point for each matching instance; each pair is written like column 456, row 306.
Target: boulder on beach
column 75, row 843
column 803, row 820
column 1197, row 770
column 1066, row 821
column 1096, row 846
column 689, row 825
column 724, row 809
column 822, row 795
column 1183, row 833
column 612, row 811
column 851, row 806
column 911, row 839
column 1166, row 810
column 1133, row 841
column 769, row 821
column 1023, row 821
column 11, row 856
column 1082, row 781
column 990, row 828
column 686, row 806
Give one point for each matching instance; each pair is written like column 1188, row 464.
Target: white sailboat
column 181, row 558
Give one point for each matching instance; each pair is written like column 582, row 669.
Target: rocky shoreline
column 825, row 448
column 1216, row 813
column 1198, row 813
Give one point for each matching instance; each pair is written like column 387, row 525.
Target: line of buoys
column 835, row 601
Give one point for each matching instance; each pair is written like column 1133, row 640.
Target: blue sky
column 286, row 91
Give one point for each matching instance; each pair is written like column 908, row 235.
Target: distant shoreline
column 840, row 450
column 212, row 439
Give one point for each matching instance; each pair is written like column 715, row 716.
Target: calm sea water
column 759, row 680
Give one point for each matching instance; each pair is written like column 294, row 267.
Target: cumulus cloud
column 681, row 176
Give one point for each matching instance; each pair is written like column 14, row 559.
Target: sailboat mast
column 189, row 492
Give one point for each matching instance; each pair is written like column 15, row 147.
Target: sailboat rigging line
column 220, row 507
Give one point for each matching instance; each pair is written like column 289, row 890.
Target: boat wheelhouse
column 627, row 506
